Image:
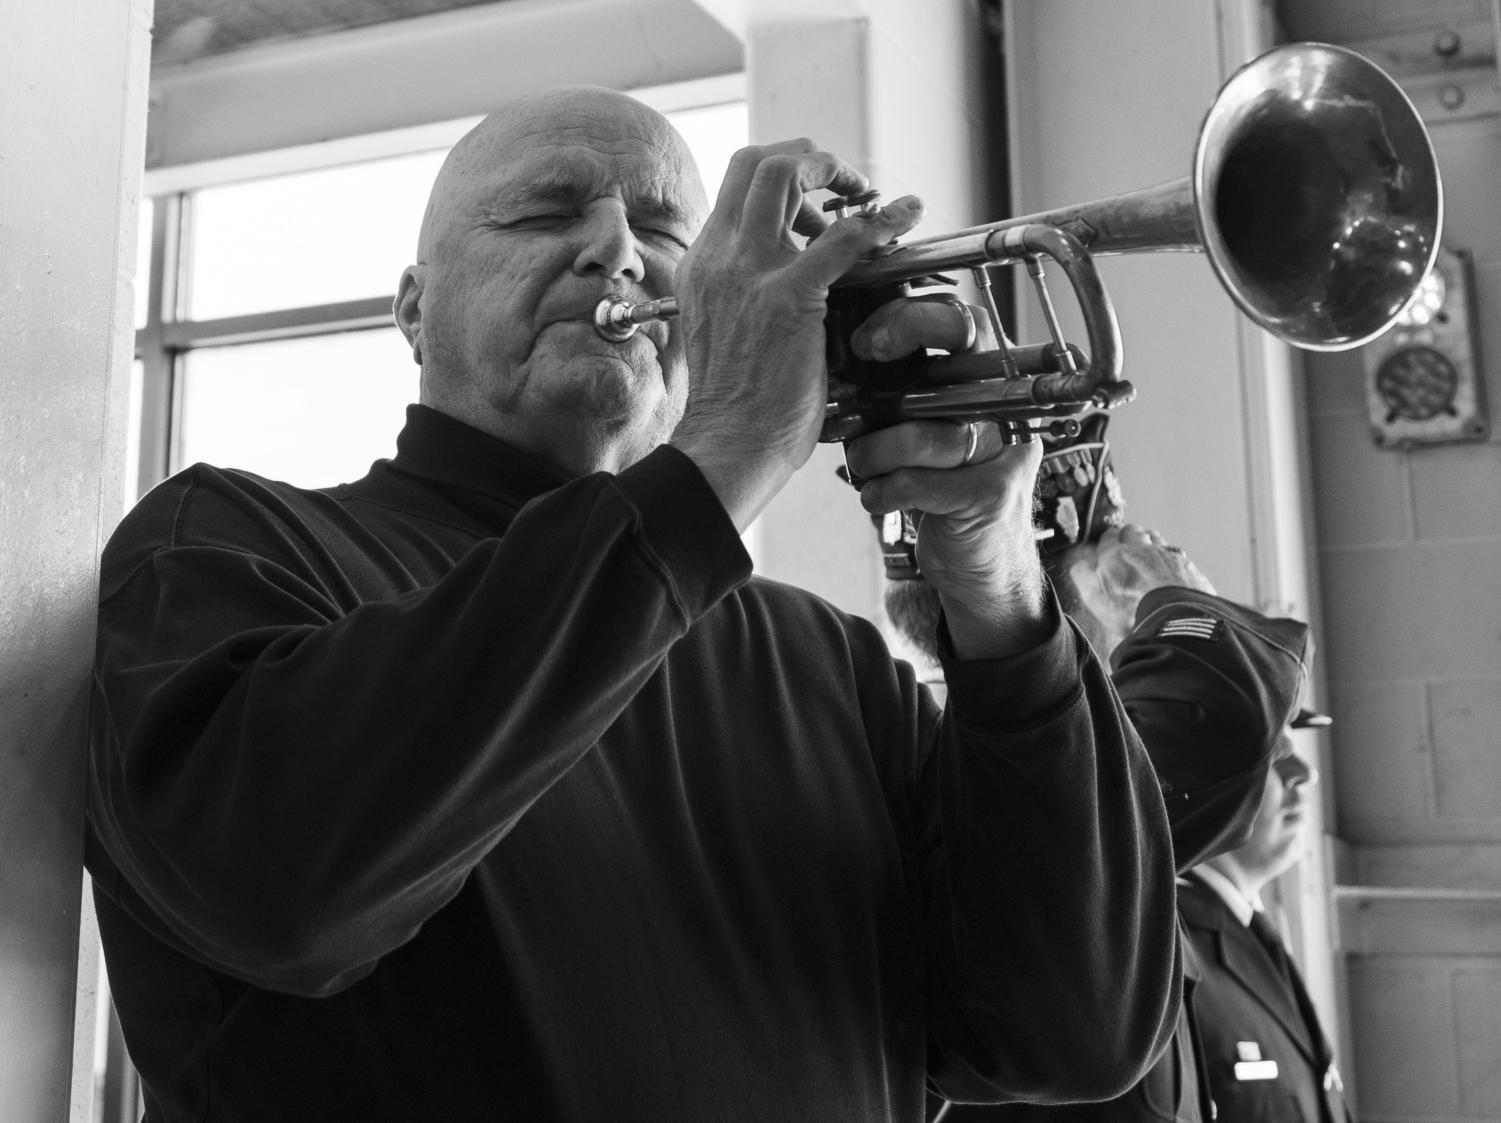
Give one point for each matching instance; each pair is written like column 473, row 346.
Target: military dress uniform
column 1267, row 1057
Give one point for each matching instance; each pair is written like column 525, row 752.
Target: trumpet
column 1314, row 193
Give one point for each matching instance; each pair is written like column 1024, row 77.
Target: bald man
column 494, row 786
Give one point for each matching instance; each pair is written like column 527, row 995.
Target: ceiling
column 187, row 30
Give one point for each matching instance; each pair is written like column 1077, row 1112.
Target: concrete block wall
column 1409, row 546
column 1437, row 999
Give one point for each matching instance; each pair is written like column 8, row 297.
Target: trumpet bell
column 1317, row 195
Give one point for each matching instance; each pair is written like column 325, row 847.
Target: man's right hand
column 1109, row 578
column 753, row 305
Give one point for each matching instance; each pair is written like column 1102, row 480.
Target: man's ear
column 408, row 308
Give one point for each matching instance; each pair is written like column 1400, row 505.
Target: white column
column 73, row 78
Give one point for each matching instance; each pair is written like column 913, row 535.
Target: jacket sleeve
column 287, row 789
column 1210, row 685
column 1050, row 888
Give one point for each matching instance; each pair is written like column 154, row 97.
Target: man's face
column 551, row 205
column 1280, row 830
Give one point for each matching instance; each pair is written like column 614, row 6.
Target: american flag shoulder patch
column 1192, row 627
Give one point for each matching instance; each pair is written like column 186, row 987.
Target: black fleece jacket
column 467, row 791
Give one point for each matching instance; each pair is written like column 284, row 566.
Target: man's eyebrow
column 566, row 189
column 659, row 207
column 550, row 189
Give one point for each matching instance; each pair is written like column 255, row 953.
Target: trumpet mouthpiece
column 616, row 318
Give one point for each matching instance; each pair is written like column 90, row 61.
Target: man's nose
column 609, row 246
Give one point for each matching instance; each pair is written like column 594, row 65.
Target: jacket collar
column 442, row 450
column 1234, row 899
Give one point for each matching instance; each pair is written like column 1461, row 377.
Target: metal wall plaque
column 1424, row 382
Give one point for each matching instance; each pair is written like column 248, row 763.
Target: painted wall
column 72, row 72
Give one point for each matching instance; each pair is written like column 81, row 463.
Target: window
column 311, row 410
column 315, row 237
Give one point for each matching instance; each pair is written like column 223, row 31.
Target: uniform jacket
column 1268, row 1060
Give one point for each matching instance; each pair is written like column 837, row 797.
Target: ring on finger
column 972, row 439
column 971, row 332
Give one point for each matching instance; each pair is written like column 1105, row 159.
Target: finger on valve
column 907, row 325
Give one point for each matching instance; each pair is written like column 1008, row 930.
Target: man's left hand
column 971, row 492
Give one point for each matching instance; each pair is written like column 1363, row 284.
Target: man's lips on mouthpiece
column 655, row 330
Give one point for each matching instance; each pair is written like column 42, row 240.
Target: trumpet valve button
column 863, row 201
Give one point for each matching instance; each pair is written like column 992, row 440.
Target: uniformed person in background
column 1267, row 1056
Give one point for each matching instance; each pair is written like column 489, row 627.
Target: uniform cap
column 1210, row 685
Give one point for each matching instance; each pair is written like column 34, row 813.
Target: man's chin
column 613, row 413
column 605, row 387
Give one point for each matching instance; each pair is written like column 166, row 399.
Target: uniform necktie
column 1265, row 931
